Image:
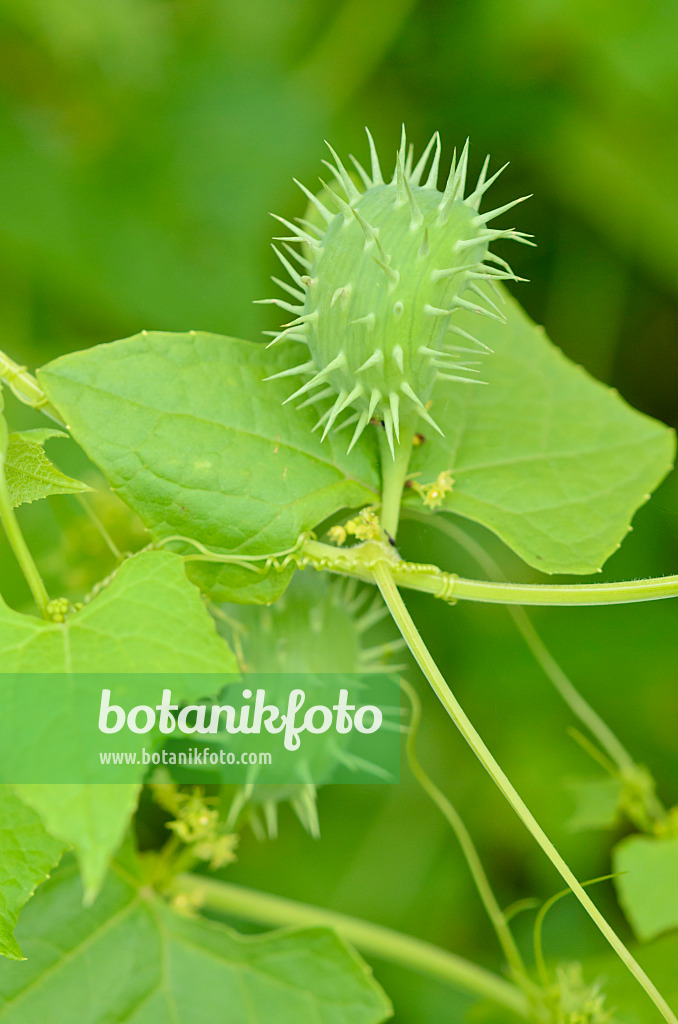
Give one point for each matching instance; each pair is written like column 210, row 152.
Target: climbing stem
column 371, row 939
column 26, row 388
column 410, row 633
column 577, row 704
column 19, row 545
column 429, row 579
column 650, row 808
column 565, row 594
column 482, row 884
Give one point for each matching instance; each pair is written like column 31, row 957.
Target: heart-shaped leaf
column 133, row 960
column 190, row 436
column 149, row 619
column 646, row 877
column 27, row 855
column 552, row 461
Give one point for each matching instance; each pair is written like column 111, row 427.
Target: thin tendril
column 99, row 526
column 494, row 912
column 270, row 560
column 539, row 927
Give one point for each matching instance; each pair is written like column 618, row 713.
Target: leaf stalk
column 371, row 939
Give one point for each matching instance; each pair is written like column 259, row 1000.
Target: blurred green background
column 142, row 145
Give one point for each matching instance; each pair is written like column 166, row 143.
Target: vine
column 238, row 500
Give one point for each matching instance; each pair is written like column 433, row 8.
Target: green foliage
column 206, row 453
column 647, row 882
column 222, row 464
column 549, row 459
column 29, row 473
column 140, row 145
column 148, row 619
column 27, row 855
column 146, row 964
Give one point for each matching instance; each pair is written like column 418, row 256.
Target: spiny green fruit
column 319, row 626
column 387, row 272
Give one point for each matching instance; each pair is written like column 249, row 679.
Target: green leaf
column 27, row 855
column 646, row 869
column 552, row 461
column 29, row 473
column 238, row 584
column 149, row 619
column 133, row 960
column 190, row 436
column 597, row 803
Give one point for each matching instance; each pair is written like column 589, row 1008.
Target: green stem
column 429, row 579
column 566, row 594
column 372, row 939
column 20, row 547
column 624, row 766
column 577, row 704
column 475, row 865
column 410, row 633
column 394, row 474
column 26, row 388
